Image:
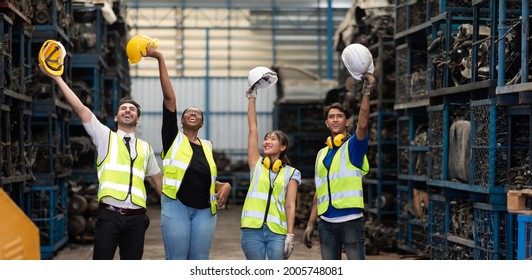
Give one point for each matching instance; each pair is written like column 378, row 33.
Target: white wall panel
column 226, row 119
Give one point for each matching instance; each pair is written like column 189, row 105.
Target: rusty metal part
column 77, row 204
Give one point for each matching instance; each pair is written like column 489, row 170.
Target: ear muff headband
column 275, row 167
column 336, row 142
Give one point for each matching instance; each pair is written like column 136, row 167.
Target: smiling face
column 127, row 115
column 274, row 144
column 336, row 121
column 192, row 118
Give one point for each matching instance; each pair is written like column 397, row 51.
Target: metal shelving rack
column 412, row 27
column 47, row 202
column 15, row 103
column 47, row 205
column 472, row 87
column 303, row 123
column 412, row 191
column 381, row 180
column 468, row 104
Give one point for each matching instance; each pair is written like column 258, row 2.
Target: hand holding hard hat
column 260, row 77
column 136, row 46
column 359, row 62
column 52, row 57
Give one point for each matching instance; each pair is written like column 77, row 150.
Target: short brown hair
column 128, row 99
column 335, row 105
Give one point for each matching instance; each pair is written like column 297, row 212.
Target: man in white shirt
column 123, row 162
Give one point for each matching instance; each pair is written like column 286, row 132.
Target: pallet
column 516, row 201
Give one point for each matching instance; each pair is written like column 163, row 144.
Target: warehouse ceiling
column 242, row 3
column 239, row 34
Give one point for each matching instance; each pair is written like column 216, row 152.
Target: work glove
column 369, row 83
column 288, row 245
column 251, row 92
column 307, row 236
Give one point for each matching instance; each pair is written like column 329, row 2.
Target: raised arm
column 253, row 136
column 166, row 85
column 84, row 113
column 363, row 114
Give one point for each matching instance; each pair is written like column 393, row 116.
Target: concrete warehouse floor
column 226, row 244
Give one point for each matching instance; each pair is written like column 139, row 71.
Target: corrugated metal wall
column 227, row 38
column 224, row 105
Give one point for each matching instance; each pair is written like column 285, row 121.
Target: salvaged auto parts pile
column 459, row 59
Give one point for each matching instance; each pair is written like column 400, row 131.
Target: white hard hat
column 358, row 60
column 262, row 77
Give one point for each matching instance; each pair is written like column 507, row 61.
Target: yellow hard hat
column 52, row 56
column 136, row 45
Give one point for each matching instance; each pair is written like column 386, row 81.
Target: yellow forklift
column 19, row 236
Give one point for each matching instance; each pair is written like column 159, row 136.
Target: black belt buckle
column 123, row 211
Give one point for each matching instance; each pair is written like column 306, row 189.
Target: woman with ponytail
column 268, row 214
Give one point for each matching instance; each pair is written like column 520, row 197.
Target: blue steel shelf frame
column 53, row 30
column 484, row 130
column 491, row 123
column 52, row 117
column 448, row 23
column 524, row 237
column 520, row 91
column 380, row 179
column 412, row 235
column 48, row 199
column 48, row 209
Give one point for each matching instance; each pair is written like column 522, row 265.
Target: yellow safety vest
column 119, row 175
column 256, row 204
column 176, row 162
column 341, row 184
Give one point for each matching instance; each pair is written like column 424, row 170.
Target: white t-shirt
column 99, row 134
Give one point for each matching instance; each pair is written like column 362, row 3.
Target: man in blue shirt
column 338, row 203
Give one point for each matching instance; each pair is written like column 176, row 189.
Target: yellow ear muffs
column 336, row 142
column 275, row 167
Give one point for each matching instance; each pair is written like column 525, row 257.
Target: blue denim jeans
column 262, row 242
column 187, row 232
column 348, row 234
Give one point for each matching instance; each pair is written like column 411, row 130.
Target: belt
column 123, row 211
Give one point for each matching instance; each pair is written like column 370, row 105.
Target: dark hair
column 184, row 111
column 128, row 99
column 335, row 105
column 283, row 138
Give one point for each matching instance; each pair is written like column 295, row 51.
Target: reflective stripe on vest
column 343, row 180
column 176, row 162
column 115, row 170
column 256, row 202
